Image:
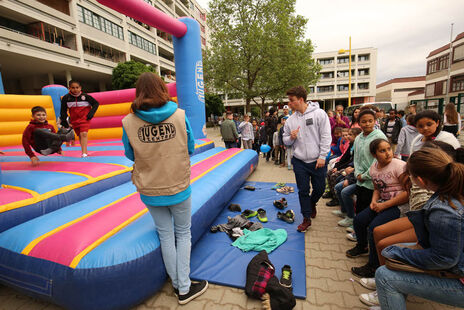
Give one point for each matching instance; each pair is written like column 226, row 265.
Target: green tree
column 258, row 49
column 125, row 74
column 214, row 105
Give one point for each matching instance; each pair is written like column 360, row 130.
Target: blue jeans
column 175, row 238
column 345, row 198
column 305, row 173
column 394, row 286
column 364, row 224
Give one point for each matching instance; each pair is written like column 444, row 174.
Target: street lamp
column 342, row 51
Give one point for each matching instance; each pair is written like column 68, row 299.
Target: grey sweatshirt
column 407, row 134
column 314, row 136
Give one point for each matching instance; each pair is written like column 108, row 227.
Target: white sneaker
column 339, row 213
column 346, row 222
column 370, row 299
column 84, row 155
column 350, row 229
column 351, row 237
column 368, row 283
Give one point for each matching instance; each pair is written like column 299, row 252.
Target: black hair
column 401, row 112
column 355, row 130
column 392, row 109
column 367, row 110
column 38, row 108
column 456, row 154
column 353, row 118
column 433, row 116
column 74, row 82
column 375, row 144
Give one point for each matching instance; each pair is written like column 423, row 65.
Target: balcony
column 167, row 64
column 181, row 9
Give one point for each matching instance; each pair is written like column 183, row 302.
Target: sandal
column 283, row 190
column 262, row 215
column 281, row 203
column 249, row 213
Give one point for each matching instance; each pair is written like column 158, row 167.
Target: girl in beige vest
column 158, row 138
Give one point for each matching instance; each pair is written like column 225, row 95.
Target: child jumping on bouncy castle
column 42, row 137
column 82, row 108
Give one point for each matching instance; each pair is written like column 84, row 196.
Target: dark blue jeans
column 364, row 224
column 304, row 174
column 230, row 144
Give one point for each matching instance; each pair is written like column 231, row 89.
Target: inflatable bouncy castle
column 73, row 231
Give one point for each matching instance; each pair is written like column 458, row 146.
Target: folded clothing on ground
column 263, row 239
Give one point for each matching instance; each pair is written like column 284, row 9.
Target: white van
column 386, row 106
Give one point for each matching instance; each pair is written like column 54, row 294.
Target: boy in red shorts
column 82, row 108
column 40, row 136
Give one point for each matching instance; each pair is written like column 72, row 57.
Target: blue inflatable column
column 2, row 90
column 189, row 76
column 56, row 92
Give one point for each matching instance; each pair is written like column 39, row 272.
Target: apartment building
column 397, row 90
column 332, row 87
column 442, row 80
column 52, row 41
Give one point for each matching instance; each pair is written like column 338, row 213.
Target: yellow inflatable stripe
column 218, row 164
column 17, row 127
column 61, row 190
column 105, row 237
column 25, row 101
column 77, row 173
column 113, row 109
column 105, row 133
column 206, row 143
column 12, row 114
column 22, row 189
column 34, row 242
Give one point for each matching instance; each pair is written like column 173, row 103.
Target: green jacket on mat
column 363, row 158
column 263, row 239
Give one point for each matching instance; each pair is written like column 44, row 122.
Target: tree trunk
column 248, row 105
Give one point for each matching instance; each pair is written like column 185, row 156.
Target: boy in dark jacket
column 392, row 127
column 41, row 137
column 82, row 108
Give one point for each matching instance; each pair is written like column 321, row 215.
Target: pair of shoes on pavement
column 196, row 289
column 334, row 202
column 346, row 222
column 350, row 229
column 351, row 236
column 304, row 226
column 357, row 251
column 339, row 213
column 280, row 204
column 288, row 216
column 365, row 271
column 261, row 213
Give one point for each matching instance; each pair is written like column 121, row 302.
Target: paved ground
column 330, row 285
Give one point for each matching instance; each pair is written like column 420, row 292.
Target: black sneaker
column 196, row 289
column 327, row 195
column 357, row 251
column 234, row 207
column 334, row 202
column 286, row 277
column 366, row 271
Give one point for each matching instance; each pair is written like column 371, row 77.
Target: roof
column 402, row 80
column 417, row 92
column 446, row 46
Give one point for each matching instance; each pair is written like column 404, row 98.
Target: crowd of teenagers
column 400, row 192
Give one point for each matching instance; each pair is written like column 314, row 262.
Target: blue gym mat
column 215, row 259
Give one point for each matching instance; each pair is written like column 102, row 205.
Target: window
column 437, row 64
column 343, row 87
column 364, row 57
column 343, row 60
column 325, row 61
column 457, row 83
column 342, row 74
column 311, row 89
column 363, row 86
column 458, row 53
column 327, row 75
column 363, row 72
column 96, row 21
column 325, row 89
column 142, row 43
column 430, row 90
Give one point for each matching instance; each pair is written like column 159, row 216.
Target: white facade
column 46, row 42
column 332, row 87
column 397, row 90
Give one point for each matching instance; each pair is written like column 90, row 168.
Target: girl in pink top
column 386, row 173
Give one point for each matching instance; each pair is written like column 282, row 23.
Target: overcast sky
column 403, row 31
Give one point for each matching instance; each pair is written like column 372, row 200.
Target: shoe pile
column 280, row 204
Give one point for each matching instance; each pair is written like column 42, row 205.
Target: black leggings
column 363, row 198
column 44, row 139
